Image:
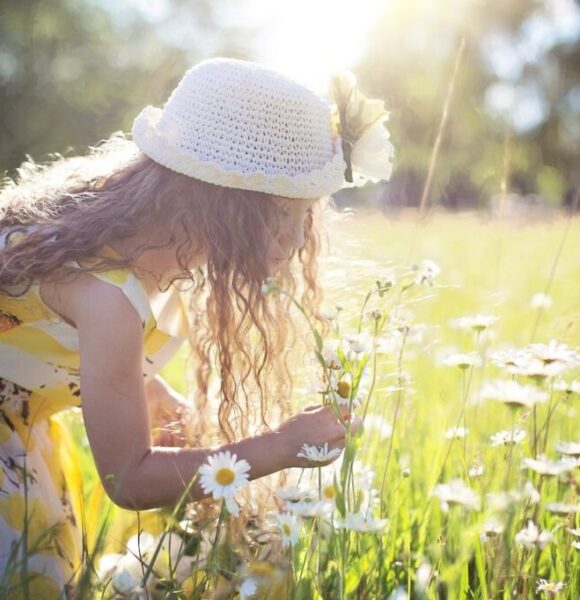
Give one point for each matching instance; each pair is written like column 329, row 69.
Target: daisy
column 361, row 523
column 223, row 474
column 575, row 532
column 330, row 354
column 568, row 448
column 476, row 471
column 490, row 529
column 531, row 537
column 509, row 359
column 475, row 323
column 560, row 508
column 304, row 508
column 463, row 361
column 505, row 438
column 576, row 545
column 540, row 371
column 426, row 272
column 456, row 492
column 512, row 393
column 295, row 494
column 555, row 352
column 456, row 433
column 540, row 300
column 289, row 528
column 569, row 387
column 359, row 343
column 128, row 575
column 549, row 467
column 549, row 587
column 318, row 454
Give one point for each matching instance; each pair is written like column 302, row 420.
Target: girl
column 220, row 189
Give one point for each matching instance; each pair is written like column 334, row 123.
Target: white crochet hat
column 241, row 124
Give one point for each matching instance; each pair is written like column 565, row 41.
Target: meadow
column 456, row 338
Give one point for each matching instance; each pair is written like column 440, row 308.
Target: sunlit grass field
column 425, row 540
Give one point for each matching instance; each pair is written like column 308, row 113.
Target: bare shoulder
column 85, row 298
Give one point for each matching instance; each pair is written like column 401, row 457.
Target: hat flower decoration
column 360, row 121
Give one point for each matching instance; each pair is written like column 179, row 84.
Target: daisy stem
column 548, row 418
column 216, row 539
column 511, row 448
column 318, row 569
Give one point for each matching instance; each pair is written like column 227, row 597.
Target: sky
column 310, row 39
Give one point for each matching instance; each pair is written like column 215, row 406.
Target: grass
column 428, row 550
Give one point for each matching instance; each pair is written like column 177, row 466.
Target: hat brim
column 317, row 183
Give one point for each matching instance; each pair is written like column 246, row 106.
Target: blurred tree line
column 514, row 116
column 73, row 71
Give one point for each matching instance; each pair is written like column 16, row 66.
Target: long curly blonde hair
column 72, row 207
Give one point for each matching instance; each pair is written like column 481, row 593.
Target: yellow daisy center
column 225, row 476
column 343, row 389
column 328, row 492
column 286, row 529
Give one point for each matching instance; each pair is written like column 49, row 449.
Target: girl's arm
column 135, row 473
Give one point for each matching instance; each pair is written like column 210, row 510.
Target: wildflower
column 555, row 352
column 328, row 491
column 107, row 565
column 569, row 387
column 512, row 393
column 530, row 493
column 561, row 508
column 306, row 508
column 540, row 371
column 475, row 323
column 456, row 433
column 476, row 471
column 341, row 394
column 540, row 300
column 490, row 529
column 426, row 272
column 463, row 361
column 330, row 355
column 576, row 545
column 295, row 494
column 511, row 359
column 549, row 587
column 575, row 532
column 423, row 576
column 289, row 528
column 248, row 588
column 315, row 454
column 548, row 467
column 456, row 492
column 505, row 438
column 359, row 343
column 568, row 448
column 128, row 575
column 222, row 475
column 357, row 521
column 531, row 537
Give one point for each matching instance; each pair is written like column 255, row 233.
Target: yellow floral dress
column 41, row 506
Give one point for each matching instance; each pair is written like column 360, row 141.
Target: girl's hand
column 316, row 425
column 170, row 414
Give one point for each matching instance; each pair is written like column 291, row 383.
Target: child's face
column 291, row 215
